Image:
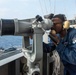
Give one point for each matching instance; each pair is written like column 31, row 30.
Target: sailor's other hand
column 53, row 33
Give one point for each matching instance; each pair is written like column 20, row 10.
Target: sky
column 23, row 9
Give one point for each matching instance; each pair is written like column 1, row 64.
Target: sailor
column 65, row 43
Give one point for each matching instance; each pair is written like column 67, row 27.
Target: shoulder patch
column 74, row 40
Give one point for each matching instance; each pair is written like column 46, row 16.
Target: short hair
column 60, row 16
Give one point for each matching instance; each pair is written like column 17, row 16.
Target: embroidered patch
column 74, row 40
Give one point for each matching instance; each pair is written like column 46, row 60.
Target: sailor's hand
column 53, row 33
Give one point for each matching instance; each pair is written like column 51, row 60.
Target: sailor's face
column 57, row 25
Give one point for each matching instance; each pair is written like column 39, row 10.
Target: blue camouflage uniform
column 67, row 51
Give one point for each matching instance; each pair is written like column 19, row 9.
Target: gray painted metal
column 10, row 56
